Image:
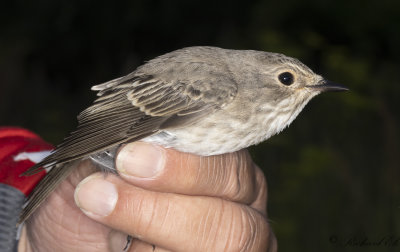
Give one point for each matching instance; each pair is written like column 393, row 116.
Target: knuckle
column 241, row 182
column 261, row 183
column 234, row 228
column 255, row 233
column 260, row 177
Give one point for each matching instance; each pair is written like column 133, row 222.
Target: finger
column 119, row 241
column 230, row 176
column 141, row 246
column 273, row 243
column 260, row 202
column 173, row 221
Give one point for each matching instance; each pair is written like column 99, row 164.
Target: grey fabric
column 11, row 202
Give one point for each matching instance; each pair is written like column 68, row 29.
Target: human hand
column 165, row 199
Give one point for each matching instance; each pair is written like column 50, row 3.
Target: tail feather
column 45, row 187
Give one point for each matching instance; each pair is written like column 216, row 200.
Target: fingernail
column 95, row 195
column 141, row 159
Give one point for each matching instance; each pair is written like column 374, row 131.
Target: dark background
column 333, row 174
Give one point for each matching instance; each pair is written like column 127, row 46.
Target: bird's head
column 285, row 86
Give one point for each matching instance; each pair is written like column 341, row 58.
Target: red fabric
column 14, row 141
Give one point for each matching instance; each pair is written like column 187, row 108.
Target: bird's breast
column 216, row 134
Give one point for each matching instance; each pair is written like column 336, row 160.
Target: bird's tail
column 45, row 187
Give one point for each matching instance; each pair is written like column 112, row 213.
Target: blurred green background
column 333, row 174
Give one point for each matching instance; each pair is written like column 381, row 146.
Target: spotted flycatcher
column 202, row 100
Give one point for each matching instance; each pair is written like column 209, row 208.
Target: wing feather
column 139, row 105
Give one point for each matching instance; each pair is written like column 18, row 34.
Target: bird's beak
column 327, row 85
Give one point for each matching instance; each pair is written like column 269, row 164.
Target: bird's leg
column 105, row 160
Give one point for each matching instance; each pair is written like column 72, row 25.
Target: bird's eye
column 286, row 78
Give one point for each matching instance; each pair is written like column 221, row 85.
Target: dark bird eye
column 286, row 78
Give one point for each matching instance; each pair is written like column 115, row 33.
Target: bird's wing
column 136, row 106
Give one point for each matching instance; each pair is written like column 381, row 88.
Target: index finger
column 231, row 176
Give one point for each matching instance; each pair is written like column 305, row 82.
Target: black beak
column 326, row 85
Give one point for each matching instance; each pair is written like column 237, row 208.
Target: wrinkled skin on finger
column 191, row 203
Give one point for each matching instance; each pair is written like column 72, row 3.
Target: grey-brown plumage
column 203, row 100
